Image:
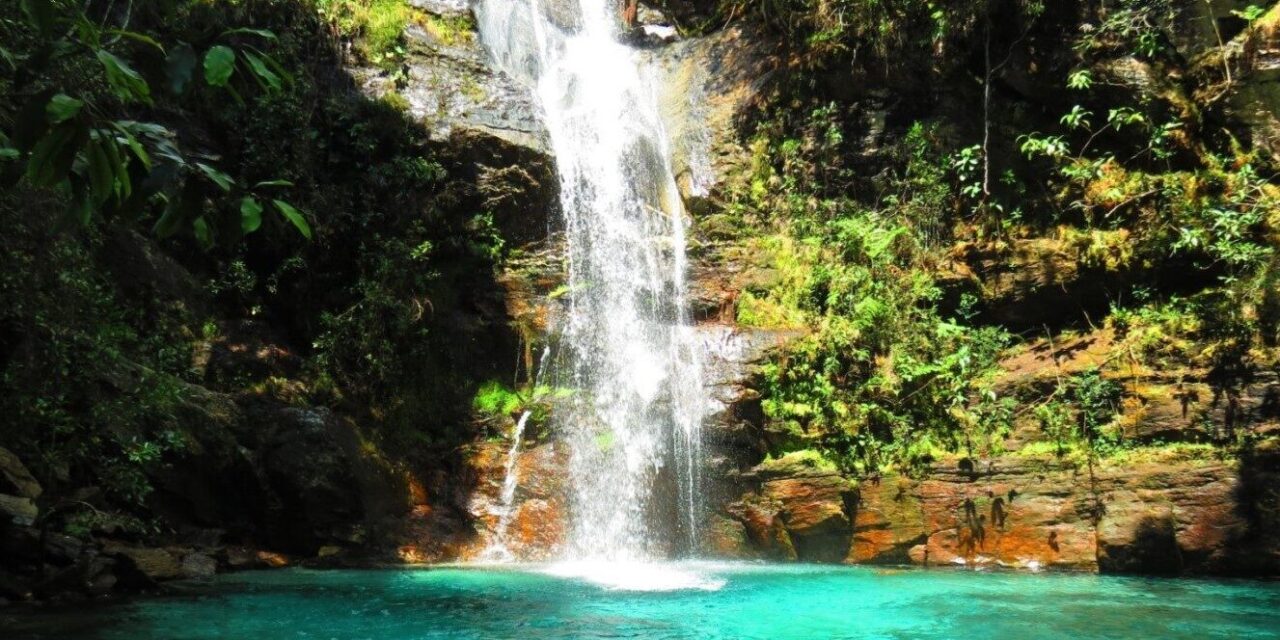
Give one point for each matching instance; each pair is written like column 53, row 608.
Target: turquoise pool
column 684, row 600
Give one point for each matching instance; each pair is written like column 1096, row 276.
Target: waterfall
column 626, row 345
column 498, row 549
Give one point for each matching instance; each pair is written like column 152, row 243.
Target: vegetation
column 885, row 376
column 898, row 367
column 188, row 185
column 182, row 178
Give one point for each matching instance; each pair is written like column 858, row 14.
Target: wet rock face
column 538, row 519
column 1005, row 511
column 452, row 86
column 708, row 83
column 813, row 513
column 1022, row 513
column 1211, row 519
column 485, row 122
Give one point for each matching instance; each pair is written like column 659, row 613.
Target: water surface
column 699, row 600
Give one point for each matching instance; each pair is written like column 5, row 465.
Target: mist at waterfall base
column 752, row 602
column 632, row 426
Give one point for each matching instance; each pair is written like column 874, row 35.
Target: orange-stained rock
column 727, row 538
column 813, row 511
column 537, row 529
column 272, row 559
column 764, row 527
column 1007, row 511
column 538, row 519
column 417, row 492
column 888, row 521
column 1188, row 517
column 411, row 554
column 811, row 505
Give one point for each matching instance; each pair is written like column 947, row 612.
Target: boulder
column 62, row 549
column 15, row 479
column 1183, row 518
column 813, row 512
column 764, row 527
column 309, row 476
column 152, row 564
column 272, row 559
column 727, row 538
column 18, row 510
column 198, row 565
column 453, row 87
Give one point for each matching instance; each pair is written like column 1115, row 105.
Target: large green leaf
column 179, row 67
column 182, row 207
column 250, row 215
column 272, row 64
column 219, row 178
column 264, row 33
column 219, row 64
column 51, row 158
column 102, row 173
column 126, row 83
column 131, row 141
column 61, row 108
column 80, row 206
column 138, row 37
column 266, row 77
column 203, row 233
column 294, row 216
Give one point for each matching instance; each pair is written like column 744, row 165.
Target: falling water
column 633, row 422
column 498, row 549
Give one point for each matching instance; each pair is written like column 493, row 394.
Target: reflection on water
column 682, row 600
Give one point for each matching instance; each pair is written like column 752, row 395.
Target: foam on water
column 637, row 576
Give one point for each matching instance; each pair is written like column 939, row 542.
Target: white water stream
column 633, row 423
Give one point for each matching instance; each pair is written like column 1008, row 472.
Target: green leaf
column 80, row 208
column 219, row 64
column 264, row 33
column 61, row 108
column 204, row 235
column 264, row 75
column 122, row 185
column 250, row 215
column 138, row 37
column 219, row 178
column 180, row 208
column 101, row 171
column 8, row 58
column 126, row 83
column 51, row 158
column 294, row 216
column 271, row 62
column 179, row 66
column 136, row 147
column 273, row 183
column 9, row 153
